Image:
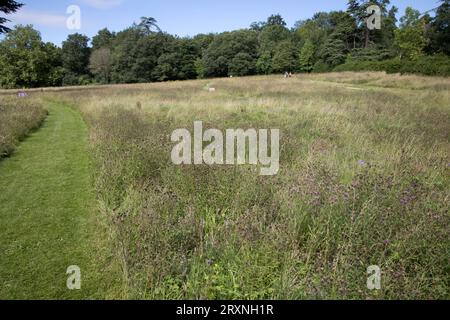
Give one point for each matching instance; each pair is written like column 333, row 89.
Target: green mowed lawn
column 47, row 216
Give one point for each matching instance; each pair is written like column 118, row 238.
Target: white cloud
column 38, row 18
column 103, row 4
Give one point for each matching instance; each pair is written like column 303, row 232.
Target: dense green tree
column 148, row 51
column 276, row 20
column 315, row 30
column 271, row 36
column 26, row 61
column 269, row 39
column 166, row 67
column 372, row 53
column 331, row 35
column 264, row 63
column 357, row 11
column 440, row 29
column 7, row 7
column 154, row 56
column 333, row 52
column 53, row 64
column 188, row 52
column 342, row 27
column 306, row 57
column 136, row 55
column 100, row 64
column 389, row 25
column 143, row 53
column 285, row 57
column 242, row 64
column 125, row 55
column 202, row 41
column 217, row 59
column 75, row 58
column 257, row 26
column 410, row 37
column 103, row 39
column 273, row 20
column 178, row 62
column 200, row 68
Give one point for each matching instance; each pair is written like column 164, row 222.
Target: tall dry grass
column 18, row 117
column 364, row 180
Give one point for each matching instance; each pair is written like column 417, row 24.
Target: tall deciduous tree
column 410, row 37
column 307, row 56
column 103, row 39
column 26, row 61
column 178, row 62
column 242, row 64
column 389, row 25
column 75, row 57
column 219, row 56
column 440, row 29
column 100, row 64
column 264, row 63
column 285, row 57
column 125, row 55
column 276, row 20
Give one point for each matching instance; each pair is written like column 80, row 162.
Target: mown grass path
column 47, row 216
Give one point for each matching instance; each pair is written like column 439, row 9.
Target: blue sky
column 181, row 17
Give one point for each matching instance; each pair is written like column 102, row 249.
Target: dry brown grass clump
column 18, row 117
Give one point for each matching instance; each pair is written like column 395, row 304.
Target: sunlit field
column 363, row 181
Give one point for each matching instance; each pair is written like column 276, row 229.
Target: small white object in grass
column 212, row 89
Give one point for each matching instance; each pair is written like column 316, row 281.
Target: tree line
column 144, row 53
